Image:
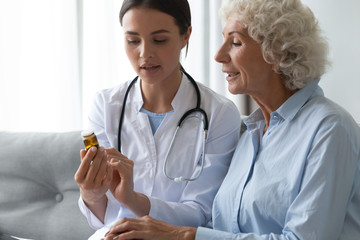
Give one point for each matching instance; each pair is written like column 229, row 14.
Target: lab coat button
column 148, row 165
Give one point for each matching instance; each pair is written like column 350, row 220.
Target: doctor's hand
column 148, row 228
column 122, row 184
column 94, row 177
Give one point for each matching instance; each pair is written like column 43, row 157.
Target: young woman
column 126, row 177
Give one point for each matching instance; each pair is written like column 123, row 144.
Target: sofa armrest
column 38, row 194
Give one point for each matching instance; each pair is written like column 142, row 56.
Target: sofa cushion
column 38, row 194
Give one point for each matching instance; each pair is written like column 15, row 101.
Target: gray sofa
column 38, row 194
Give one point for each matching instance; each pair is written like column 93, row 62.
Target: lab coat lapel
column 138, row 119
column 184, row 99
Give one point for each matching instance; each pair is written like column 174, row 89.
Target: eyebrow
column 153, row 33
column 238, row 32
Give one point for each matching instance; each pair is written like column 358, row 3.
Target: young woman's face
column 153, row 44
column 242, row 60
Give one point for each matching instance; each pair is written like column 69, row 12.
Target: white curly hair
column 289, row 35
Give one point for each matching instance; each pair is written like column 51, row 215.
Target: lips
column 149, row 67
column 233, row 74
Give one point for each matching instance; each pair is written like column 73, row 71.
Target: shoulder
column 210, row 97
column 325, row 116
column 322, row 109
column 221, row 110
column 112, row 93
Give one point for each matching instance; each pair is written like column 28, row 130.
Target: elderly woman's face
column 242, row 61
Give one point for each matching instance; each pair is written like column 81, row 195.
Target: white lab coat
column 185, row 203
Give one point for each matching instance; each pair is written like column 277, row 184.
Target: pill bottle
column 89, row 139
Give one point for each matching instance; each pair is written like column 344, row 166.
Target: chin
column 234, row 90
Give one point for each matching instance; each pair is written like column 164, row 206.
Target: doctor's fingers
column 82, row 154
column 103, row 176
column 123, row 165
column 113, row 152
column 117, row 157
column 95, row 161
column 86, row 158
column 97, row 169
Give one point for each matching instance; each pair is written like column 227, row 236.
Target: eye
column 132, row 41
column 160, row 41
column 236, row 43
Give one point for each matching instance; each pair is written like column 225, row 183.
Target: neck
column 158, row 97
column 271, row 99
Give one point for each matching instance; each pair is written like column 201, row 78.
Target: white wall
column 340, row 22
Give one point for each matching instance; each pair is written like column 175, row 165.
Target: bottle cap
column 87, row 133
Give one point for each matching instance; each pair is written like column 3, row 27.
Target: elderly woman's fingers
column 126, row 228
column 147, row 228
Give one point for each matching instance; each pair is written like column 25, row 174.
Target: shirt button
column 148, row 165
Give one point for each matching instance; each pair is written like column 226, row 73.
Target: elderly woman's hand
column 148, row 228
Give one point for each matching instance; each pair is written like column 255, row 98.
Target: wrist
column 139, row 204
column 187, row 233
column 93, row 201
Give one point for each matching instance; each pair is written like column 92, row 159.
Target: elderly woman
column 296, row 171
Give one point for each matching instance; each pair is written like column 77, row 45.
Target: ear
column 186, row 36
column 275, row 68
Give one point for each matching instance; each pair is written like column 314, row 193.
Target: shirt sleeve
column 194, row 207
column 93, row 221
column 112, row 209
column 203, row 233
column 96, row 123
column 329, row 181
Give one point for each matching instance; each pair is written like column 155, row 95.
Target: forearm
column 139, row 205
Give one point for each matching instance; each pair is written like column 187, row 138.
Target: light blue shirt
column 300, row 180
column 155, row 119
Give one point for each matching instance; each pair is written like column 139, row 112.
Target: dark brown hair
column 178, row 9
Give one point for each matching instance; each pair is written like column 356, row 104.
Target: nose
column 146, row 50
column 222, row 56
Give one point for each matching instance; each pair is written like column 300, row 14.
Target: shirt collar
column 290, row 107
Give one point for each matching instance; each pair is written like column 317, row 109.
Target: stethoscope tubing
column 181, row 178
column 182, row 119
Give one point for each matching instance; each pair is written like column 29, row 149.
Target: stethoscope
column 182, row 119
